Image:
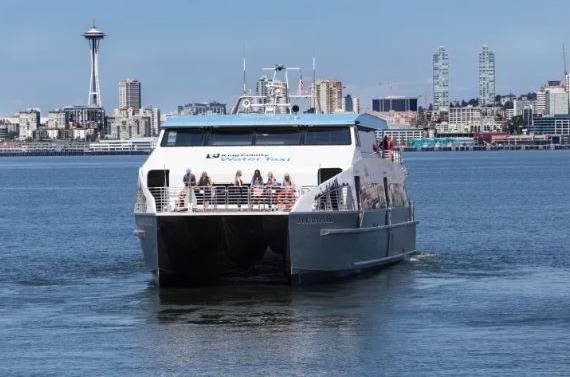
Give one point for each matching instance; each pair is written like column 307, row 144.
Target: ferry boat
column 343, row 211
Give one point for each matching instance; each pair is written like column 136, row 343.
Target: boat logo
column 249, row 157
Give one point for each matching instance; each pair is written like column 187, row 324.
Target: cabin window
column 367, row 140
column 290, row 136
column 229, row 137
column 397, row 195
column 182, row 138
column 327, row 136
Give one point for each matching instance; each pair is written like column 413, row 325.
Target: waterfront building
column 464, row 119
column 28, row 123
column 556, row 101
column 129, row 94
column 492, row 120
column 486, row 77
column 440, row 79
column 84, row 117
column 94, row 37
column 154, row 114
column 56, row 119
column 202, row 108
column 326, row 96
column 520, row 105
column 393, row 103
column 567, row 82
column 400, row 136
column 558, row 124
column 398, row 111
column 540, row 105
column 128, row 124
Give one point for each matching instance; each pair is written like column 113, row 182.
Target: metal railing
column 334, row 199
column 222, row 198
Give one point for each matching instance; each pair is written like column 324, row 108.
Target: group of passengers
column 261, row 191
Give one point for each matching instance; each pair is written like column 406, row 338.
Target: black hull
column 211, row 249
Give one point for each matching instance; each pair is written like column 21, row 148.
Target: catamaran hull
column 329, row 246
column 310, row 247
column 204, row 249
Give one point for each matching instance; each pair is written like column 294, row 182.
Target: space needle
column 94, row 36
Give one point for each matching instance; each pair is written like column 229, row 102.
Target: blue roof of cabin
column 343, row 119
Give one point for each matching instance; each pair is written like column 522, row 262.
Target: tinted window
column 229, row 137
column 328, row 136
column 182, row 138
column 278, row 137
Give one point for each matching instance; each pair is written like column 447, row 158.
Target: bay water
column 488, row 293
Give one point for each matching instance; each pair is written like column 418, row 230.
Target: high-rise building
column 326, row 96
column 486, row 77
column 351, row 104
column 129, row 94
column 29, row 121
column 440, row 79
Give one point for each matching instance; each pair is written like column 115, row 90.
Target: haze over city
column 192, row 51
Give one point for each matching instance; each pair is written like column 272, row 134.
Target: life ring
column 246, row 103
column 286, row 198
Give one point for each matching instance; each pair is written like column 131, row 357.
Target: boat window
column 372, row 196
column 328, row 136
column 368, row 140
column 397, row 195
column 229, row 137
column 182, row 138
column 289, row 136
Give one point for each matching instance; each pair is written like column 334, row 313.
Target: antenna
column 564, row 59
column 315, row 96
column 244, row 90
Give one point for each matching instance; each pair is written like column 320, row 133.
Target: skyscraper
column 129, row 94
column 486, row 76
column 440, row 79
column 94, row 37
column 326, row 96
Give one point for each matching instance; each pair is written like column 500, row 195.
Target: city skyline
column 192, row 52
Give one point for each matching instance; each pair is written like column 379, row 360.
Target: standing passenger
column 205, row 184
column 256, row 187
column 237, row 191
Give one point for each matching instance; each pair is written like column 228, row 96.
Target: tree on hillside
column 516, row 124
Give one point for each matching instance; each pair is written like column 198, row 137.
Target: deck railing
column 222, row 198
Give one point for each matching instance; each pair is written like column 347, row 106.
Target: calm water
column 489, row 293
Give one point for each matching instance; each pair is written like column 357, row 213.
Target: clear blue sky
column 191, row 50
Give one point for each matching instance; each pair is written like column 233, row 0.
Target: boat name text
column 315, row 219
